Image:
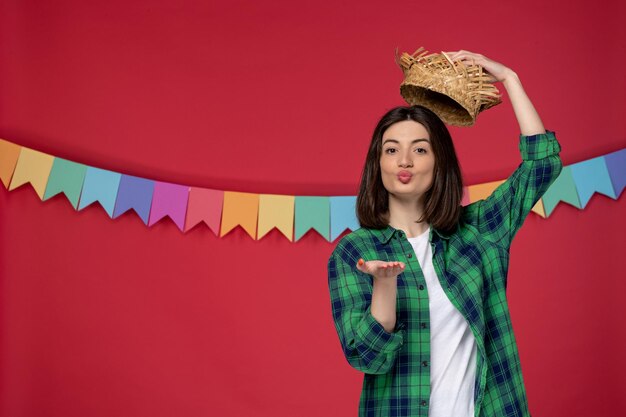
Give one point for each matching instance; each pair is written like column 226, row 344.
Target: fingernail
column 361, row 262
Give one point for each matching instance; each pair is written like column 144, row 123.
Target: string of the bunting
column 258, row 214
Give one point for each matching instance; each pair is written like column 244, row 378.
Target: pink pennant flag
column 466, row 198
column 169, row 200
column 205, row 205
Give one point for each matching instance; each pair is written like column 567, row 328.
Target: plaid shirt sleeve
column 499, row 216
column 365, row 343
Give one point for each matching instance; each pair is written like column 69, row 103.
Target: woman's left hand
column 497, row 71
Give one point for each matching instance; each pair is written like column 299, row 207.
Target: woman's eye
column 421, row 150
column 390, row 150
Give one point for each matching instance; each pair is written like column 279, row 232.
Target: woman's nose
column 405, row 159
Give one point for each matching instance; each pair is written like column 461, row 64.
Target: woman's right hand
column 381, row 269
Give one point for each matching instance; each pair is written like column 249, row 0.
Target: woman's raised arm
column 499, row 216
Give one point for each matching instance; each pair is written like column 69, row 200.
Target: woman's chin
column 404, row 193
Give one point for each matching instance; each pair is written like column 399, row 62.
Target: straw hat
column 454, row 91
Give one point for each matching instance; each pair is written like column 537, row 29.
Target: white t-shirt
column 452, row 345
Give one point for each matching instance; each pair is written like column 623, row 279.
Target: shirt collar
column 385, row 234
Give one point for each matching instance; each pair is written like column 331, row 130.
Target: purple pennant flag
column 616, row 164
column 135, row 193
column 169, row 200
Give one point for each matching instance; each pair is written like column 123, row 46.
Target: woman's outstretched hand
column 380, row 269
column 384, row 290
column 496, row 70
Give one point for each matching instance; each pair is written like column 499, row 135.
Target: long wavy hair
column 442, row 201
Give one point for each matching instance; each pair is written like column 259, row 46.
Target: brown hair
column 442, row 201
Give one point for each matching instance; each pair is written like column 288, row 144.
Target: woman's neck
column 403, row 215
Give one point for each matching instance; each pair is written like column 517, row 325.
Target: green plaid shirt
column 472, row 265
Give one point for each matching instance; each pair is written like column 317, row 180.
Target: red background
column 104, row 317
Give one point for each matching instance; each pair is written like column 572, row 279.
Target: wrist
column 385, row 282
column 510, row 78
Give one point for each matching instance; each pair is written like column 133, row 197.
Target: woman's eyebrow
column 413, row 141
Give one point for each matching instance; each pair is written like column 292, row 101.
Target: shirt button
column 423, row 403
column 421, row 287
column 425, row 363
column 409, row 255
column 423, row 325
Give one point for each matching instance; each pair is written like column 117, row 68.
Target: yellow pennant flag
column 34, row 167
column 276, row 211
column 9, row 154
column 538, row 208
column 240, row 209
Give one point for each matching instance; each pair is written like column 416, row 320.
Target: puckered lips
column 404, row 176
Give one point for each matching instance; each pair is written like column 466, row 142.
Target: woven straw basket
column 454, row 91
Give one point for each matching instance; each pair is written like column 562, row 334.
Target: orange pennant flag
column 9, row 154
column 240, row 209
column 482, row 191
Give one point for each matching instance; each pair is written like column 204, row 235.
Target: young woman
column 419, row 291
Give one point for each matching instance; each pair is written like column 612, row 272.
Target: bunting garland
column 258, row 214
